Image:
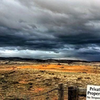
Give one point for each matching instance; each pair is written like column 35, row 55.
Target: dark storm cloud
column 63, row 29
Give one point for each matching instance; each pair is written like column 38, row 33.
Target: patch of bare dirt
column 61, row 68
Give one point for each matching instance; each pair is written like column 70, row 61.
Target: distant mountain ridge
column 40, row 60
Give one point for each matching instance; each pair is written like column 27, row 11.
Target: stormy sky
column 45, row 29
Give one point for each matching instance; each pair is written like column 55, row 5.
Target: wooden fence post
column 60, row 92
column 72, row 93
column 82, row 92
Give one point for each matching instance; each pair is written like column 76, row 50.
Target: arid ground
column 30, row 80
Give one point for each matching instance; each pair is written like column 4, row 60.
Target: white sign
column 93, row 92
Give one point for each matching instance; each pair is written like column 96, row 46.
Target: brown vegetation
column 23, row 81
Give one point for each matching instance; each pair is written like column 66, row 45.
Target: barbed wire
column 46, row 92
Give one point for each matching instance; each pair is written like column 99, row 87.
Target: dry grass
column 23, row 81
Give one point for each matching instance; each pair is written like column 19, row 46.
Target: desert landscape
column 30, row 80
column 47, row 47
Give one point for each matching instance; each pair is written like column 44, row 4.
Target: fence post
column 60, row 92
column 72, row 93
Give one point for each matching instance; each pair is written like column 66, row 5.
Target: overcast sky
column 50, row 29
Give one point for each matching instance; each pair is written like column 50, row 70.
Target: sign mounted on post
column 93, row 92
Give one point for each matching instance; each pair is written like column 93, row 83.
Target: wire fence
column 73, row 93
column 46, row 92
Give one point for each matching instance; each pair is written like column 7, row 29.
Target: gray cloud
column 67, row 28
